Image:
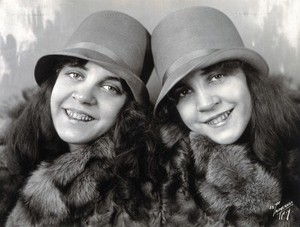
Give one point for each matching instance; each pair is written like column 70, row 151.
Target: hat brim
column 201, row 62
column 44, row 70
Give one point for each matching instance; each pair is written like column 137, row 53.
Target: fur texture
column 233, row 186
column 269, row 148
column 178, row 207
column 29, row 139
column 111, row 182
column 207, row 184
column 82, row 187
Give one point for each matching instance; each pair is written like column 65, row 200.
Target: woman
column 230, row 132
column 80, row 151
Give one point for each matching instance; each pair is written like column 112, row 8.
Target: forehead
column 91, row 67
column 230, row 67
column 196, row 73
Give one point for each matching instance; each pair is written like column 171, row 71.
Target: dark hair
column 274, row 117
column 167, row 108
column 32, row 136
column 74, row 61
column 273, row 124
column 272, row 133
column 67, row 60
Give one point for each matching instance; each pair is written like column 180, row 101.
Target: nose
column 84, row 95
column 206, row 101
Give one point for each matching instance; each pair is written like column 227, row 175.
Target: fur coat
column 207, row 184
column 9, row 182
column 83, row 188
column 106, row 183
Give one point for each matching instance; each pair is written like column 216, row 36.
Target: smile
column 220, row 119
column 78, row 116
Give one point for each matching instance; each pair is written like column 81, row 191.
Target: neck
column 74, row 147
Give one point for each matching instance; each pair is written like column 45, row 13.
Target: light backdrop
column 30, row 29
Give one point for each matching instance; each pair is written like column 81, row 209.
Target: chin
column 225, row 140
column 72, row 139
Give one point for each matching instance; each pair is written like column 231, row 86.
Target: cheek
column 111, row 107
column 244, row 101
column 54, row 100
column 241, row 93
column 57, row 94
column 247, row 107
column 59, row 89
column 245, row 97
column 186, row 111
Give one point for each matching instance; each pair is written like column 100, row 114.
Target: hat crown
column 113, row 40
column 123, row 36
column 196, row 38
column 189, row 30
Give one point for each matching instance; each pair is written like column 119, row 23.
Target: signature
column 283, row 212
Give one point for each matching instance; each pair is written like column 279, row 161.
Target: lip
column 75, row 114
column 209, row 120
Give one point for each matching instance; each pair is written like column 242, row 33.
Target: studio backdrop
column 30, row 29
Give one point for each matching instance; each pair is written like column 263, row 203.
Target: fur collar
column 83, row 187
column 232, row 187
column 207, row 184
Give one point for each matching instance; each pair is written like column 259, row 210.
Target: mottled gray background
column 29, row 29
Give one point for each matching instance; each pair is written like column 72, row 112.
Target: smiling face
column 85, row 102
column 216, row 104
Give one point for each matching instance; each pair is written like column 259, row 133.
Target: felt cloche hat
column 113, row 40
column 195, row 38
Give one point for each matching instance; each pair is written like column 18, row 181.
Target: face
column 215, row 104
column 85, row 102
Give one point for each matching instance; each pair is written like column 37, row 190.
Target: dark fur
column 232, row 185
column 218, row 185
column 110, row 182
column 29, row 139
column 93, row 186
column 232, row 195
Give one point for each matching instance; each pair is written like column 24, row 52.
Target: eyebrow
column 76, row 65
column 113, row 78
column 223, row 67
column 178, row 86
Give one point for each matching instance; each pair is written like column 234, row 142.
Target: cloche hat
column 195, row 38
column 113, row 40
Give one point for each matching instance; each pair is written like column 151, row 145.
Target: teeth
column 219, row 118
column 79, row 116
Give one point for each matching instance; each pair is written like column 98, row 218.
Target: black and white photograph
column 149, row 113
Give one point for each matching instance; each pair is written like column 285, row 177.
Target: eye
column 216, row 77
column 180, row 92
column 184, row 92
column 112, row 89
column 75, row 75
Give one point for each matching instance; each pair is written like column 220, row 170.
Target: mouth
column 78, row 116
column 220, row 119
